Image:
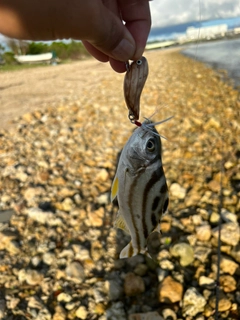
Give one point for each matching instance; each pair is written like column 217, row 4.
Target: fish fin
column 129, row 251
column 148, row 255
column 157, row 229
column 120, row 223
column 114, row 189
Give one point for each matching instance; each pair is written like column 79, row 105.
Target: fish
column 140, row 188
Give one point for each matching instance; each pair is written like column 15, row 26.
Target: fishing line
column 217, row 281
column 200, row 20
column 219, row 234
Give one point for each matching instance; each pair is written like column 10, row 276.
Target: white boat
column 35, row 58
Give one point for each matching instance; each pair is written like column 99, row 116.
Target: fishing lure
column 134, row 82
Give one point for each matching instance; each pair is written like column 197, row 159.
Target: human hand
column 98, row 23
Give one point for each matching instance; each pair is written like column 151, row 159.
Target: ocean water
column 223, row 54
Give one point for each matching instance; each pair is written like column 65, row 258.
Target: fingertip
column 117, row 66
column 97, row 54
column 138, row 54
column 125, row 49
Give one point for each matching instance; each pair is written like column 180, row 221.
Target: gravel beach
column 59, row 252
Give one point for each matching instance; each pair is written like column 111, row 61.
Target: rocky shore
column 59, row 252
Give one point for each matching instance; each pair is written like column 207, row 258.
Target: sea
column 221, row 54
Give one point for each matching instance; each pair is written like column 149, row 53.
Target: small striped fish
column 140, row 187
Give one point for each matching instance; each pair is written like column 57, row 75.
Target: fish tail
column 129, row 251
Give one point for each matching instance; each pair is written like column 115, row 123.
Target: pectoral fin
column 120, row 223
column 157, row 229
column 114, row 189
column 129, row 251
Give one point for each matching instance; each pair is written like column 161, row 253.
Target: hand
column 98, row 23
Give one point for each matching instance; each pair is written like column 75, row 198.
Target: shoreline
column 222, row 63
column 27, row 90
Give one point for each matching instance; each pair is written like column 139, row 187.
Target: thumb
column 110, row 36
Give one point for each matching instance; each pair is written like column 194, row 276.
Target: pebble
column 36, row 260
column 170, row 291
column 228, row 266
column 145, row 316
column 48, row 258
column 2, row 308
column 115, row 290
column 133, row 284
column 75, row 271
column 8, row 242
column 81, row 312
column 60, row 313
column 32, row 277
column 64, row 297
column 193, row 302
column 206, row 282
column 39, row 215
column 161, row 274
column 203, row 233
column 228, row 283
column 214, row 219
column 201, row 253
column 12, row 302
column 185, row 252
column 35, row 303
column 229, row 233
column 99, row 291
column 166, row 264
column 141, row 269
column 169, row 314
column 116, row 311
column 214, row 186
column 224, row 303
column 228, row 216
column 177, row 191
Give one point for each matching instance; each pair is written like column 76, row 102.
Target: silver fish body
column 141, row 189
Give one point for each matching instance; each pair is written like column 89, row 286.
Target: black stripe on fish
column 156, row 176
column 164, row 188
column 154, row 220
column 165, row 206
column 155, row 203
column 130, row 251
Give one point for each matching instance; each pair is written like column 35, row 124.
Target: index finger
column 136, row 14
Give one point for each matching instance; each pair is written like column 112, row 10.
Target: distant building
column 207, row 33
column 236, row 30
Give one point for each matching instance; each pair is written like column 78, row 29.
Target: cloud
column 171, row 12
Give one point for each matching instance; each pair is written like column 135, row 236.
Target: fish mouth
column 139, row 163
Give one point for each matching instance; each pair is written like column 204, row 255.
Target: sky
column 172, row 12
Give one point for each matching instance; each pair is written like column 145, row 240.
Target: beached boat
column 35, row 58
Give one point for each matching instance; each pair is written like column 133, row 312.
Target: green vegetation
column 16, row 67
column 73, row 50
column 63, row 51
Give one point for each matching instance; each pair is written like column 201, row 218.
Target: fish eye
column 150, row 145
column 139, row 62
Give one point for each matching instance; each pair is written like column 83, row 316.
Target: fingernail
column 124, row 51
column 138, row 54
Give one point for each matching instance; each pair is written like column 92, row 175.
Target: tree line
column 71, row 50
